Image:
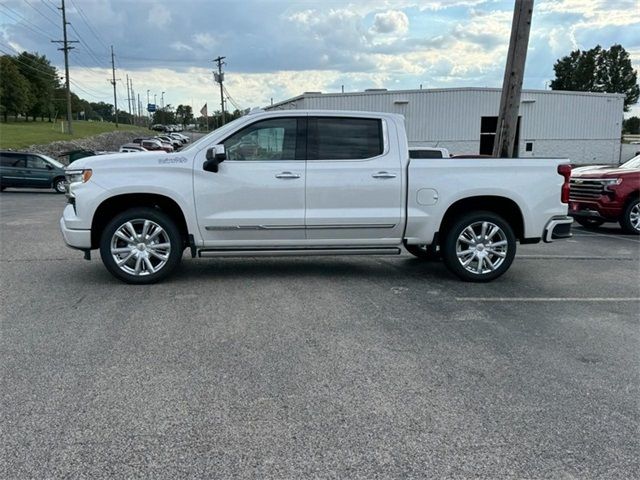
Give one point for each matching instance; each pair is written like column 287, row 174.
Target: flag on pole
column 204, row 111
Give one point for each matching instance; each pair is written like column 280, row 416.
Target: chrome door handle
column 384, row 175
column 287, row 175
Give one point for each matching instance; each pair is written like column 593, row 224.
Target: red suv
column 607, row 194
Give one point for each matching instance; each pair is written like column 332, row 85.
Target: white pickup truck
column 310, row 183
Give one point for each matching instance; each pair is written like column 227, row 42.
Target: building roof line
column 438, row 90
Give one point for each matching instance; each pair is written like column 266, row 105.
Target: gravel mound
column 109, row 141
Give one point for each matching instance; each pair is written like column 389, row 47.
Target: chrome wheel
column 140, row 247
column 482, row 247
column 634, row 217
column 60, row 186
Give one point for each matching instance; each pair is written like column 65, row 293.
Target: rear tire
column 589, row 223
column 630, row 221
column 423, row 252
column 141, row 246
column 479, row 247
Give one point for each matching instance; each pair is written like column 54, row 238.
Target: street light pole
column 148, row 112
column 162, row 107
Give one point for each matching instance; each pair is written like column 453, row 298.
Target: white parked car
column 310, row 183
column 132, row 148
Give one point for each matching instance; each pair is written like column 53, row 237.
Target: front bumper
column 557, row 228
column 586, row 213
column 80, row 239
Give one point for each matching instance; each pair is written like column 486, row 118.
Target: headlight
column 79, row 175
column 609, row 182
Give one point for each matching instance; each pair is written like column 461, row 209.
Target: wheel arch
column 503, row 206
column 120, row 203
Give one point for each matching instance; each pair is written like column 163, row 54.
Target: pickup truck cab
column 310, row 183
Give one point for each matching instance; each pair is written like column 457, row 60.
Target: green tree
column 184, row 114
column 103, row 111
column 15, row 94
column 631, row 125
column 598, row 70
column 43, row 80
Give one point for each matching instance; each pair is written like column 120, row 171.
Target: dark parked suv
column 30, row 170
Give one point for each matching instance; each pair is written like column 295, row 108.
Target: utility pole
column 133, row 101
column 128, row 96
column 113, row 82
column 66, row 49
column 139, row 110
column 219, row 77
column 506, row 129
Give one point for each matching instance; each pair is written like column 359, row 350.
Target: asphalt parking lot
column 329, row 367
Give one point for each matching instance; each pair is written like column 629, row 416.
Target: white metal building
column 585, row 127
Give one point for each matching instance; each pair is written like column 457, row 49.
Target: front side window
column 273, row 139
column 343, row 138
column 36, row 162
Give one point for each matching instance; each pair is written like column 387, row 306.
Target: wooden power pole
column 65, row 48
column 219, row 77
column 504, row 145
column 113, row 82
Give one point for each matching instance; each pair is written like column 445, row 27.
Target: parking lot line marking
column 577, row 257
column 596, row 234
column 547, row 299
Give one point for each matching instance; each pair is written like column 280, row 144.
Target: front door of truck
column 257, row 196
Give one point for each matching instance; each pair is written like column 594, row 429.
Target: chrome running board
column 288, row 251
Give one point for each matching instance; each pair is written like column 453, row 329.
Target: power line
column 51, row 6
column 42, row 14
column 18, row 18
column 89, row 50
column 86, row 21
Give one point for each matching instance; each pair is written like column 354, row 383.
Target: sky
column 278, row 49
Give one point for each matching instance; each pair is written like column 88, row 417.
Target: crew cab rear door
column 354, row 181
column 257, row 196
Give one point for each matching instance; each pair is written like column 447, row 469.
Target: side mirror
column 215, row 156
column 49, row 166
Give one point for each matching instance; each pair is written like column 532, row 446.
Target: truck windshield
column 633, row 163
column 204, row 140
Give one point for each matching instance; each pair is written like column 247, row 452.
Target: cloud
column 280, row 49
column 180, row 46
column 159, row 16
column 205, row 40
column 390, row 22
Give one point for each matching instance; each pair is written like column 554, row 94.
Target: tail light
column 565, row 171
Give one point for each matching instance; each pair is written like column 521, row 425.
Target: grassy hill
column 21, row 134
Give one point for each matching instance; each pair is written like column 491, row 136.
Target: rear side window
column 338, row 138
column 425, row 154
column 12, row 160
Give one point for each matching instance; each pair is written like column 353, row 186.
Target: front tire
column 141, row 246
column 630, row 221
column 59, row 185
column 479, row 247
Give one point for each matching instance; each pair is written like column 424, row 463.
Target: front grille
column 585, row 189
